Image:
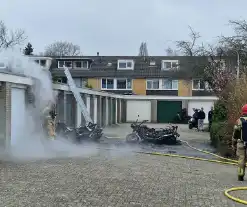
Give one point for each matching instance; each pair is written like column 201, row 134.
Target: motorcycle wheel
column 190, row 126
column 131, row 138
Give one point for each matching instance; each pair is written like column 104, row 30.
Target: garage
column 135, row 108
column 167, row 110
column 198, row 104
column 18, row 114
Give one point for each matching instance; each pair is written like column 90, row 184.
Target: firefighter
column 239, row 142
column 49, row 122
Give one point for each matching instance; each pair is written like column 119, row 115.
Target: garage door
column 141, row 108
column 198, row 104
column 167, row 110
column 17, row 115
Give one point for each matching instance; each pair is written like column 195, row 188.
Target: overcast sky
column 117, row 27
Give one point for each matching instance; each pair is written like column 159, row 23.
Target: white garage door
column 17, row 114
column 198, row 104
column 141, row 108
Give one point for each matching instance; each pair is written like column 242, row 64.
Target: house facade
column 163, row 85
column 157, row 75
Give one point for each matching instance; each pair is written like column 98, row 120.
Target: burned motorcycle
column 89, row 132
column 143, row 133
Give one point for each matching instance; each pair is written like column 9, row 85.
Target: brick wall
column 5, row 114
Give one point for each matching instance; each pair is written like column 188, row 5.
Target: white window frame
column 206, row 88
column 169, row 61
column 125, row 61
column 147, row 80
column 114, row 83
column 131, row 81
column 64, row 63
column 161, row 85
column 173, row 84
column 81, row 64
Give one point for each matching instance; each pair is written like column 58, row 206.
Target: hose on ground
column 228, row 162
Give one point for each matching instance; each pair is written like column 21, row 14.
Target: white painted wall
column 135, row 108
column 198, row 104
column 17, row 114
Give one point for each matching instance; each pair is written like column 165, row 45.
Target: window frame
column 126, row 81
column 152, row 80
column 172, row 83
column 169, row 61
column 206, row 86
column 82, row 61
column 106, row 83
column 125, row 61
column 64, row 63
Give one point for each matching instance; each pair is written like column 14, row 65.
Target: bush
column 220, row 137
column 220, row 111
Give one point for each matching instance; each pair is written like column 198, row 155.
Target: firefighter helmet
column 244, row 109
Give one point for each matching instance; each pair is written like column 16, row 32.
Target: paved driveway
column 118, row 178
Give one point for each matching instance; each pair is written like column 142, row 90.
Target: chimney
column 97, row 53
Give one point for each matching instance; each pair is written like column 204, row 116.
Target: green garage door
column 167, row 110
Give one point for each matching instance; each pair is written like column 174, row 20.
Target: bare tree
column 143, row 51
column 62, row 48
column 171, row 52
column 190, row 47
column 10, row 38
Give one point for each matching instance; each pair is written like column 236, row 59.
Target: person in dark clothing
column 210, row 118
column 201, row 117
column 195, row 115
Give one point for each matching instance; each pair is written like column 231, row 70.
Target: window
column 67, row 64
column 153, row 84
column 169, row 64
column 81, row 64
column 126, row 64
column 168, row 84
column 124, row 84
column 107, row 83
column 152, row 63
column 42, row 63
column 198, row 84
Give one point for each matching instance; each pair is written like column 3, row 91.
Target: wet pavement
column 121, row 178
column 198, row 140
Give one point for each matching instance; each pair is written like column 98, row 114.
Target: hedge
column 220, row 137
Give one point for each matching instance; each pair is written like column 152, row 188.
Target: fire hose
column 227, row 162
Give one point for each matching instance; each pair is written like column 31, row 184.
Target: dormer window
column 169, row 64
column 41, row 62
column 125, row 64
column 81, row 64
column 67, row 64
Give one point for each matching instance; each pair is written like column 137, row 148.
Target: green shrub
column 220, row 137
column 88, row 86
column 220, row 111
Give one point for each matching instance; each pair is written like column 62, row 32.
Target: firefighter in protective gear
column 239, row 142
column 49, row 122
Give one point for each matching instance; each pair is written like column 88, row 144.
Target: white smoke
column 31, row 142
